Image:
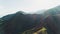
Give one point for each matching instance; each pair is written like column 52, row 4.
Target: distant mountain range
column 40, row 11
column 52, row 11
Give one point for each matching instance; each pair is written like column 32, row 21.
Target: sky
column 29, row 6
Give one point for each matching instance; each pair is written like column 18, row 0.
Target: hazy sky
column 11, row 6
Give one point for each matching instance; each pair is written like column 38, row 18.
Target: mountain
column 52, row 11
column 9, row 16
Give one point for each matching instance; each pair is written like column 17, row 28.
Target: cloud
column 1, row 7
column 29, row 6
